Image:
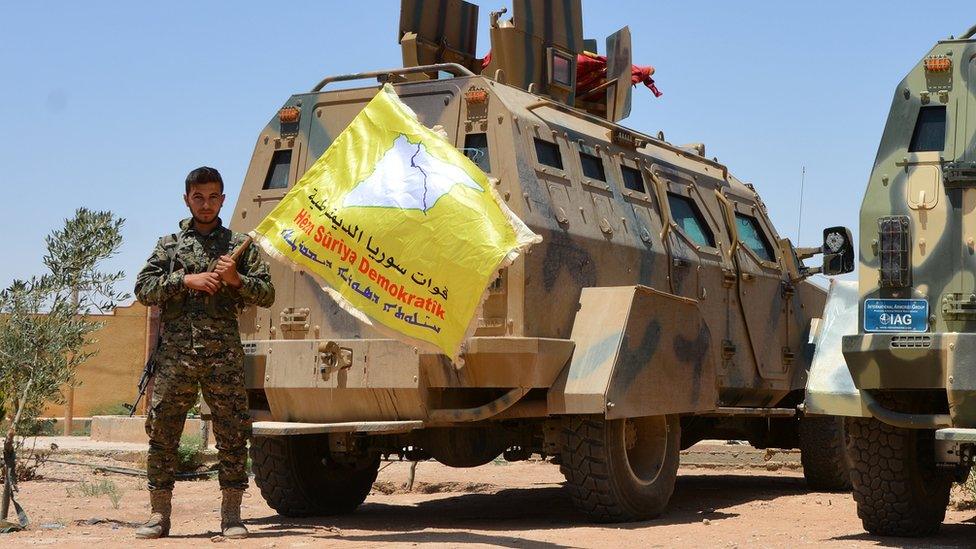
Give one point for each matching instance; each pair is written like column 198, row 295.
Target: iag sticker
column 896, row 315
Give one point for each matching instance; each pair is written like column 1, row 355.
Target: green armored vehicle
column 661, row 308
column 897, row 352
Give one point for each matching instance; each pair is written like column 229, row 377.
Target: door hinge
column 788, row 356
column 788, row 290
column 728, row 278
column 728, row 349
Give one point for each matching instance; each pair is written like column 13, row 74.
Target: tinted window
column 592, row 167
column 548, row 153
column 277, row 177
column 476, row 149
column 633, row 179
column 930, row 129
column 687, row 216
column 753, row 238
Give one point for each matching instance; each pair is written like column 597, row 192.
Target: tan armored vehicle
column 897, row 350
column 661, row 308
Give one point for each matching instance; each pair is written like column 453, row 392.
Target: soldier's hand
column 227, row 269
column 204, row 282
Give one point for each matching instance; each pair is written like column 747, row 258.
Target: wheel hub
column 646, row 443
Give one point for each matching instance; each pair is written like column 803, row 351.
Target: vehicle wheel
column 298, row 478
column 620, row 470
column 897, row 488
column 823, row 452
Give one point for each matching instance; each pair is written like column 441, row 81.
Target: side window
column 930, row 130
column 633, row 179
column 687, row 216
column 277, row 177
column 548, row 153
column 592, row 167
column 751, row 235
column 476, row 149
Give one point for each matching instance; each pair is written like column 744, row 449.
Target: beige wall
column 111, row 376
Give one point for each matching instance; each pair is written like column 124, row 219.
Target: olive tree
column 45, row 333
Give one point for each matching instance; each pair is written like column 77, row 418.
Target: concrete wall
column 111, row 376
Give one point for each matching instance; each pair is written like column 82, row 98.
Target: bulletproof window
column 548, row 153
column 560, row 70
column 930, row 130
column 633, row 179
column 476, row 149
column 751, row 235
column 277, row 177
column 689, row 219
column 592, row 166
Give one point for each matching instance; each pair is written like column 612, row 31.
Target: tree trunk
column 9, row 472
column 9, row 453
column 69, row 405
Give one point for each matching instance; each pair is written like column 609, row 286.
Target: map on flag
column 402, row 229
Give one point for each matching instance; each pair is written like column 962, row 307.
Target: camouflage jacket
column 188, row 314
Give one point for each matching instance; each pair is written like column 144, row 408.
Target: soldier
column 200, row 289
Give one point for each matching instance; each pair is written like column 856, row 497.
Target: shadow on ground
column 513, row 510
column 950, row 535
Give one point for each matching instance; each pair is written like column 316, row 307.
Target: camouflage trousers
column 179, row 375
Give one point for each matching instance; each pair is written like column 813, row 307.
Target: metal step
column 287, row 428
column 956, row 434
column 729, row 411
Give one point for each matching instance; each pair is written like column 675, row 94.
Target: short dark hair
column 204, row 174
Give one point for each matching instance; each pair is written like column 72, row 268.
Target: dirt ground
column 724, row 502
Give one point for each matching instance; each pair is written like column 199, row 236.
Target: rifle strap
column 172, row 250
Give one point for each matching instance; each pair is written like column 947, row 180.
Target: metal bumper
column 944, row 361
column 381, row 380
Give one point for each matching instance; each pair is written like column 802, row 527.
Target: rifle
column 147, row 374
column 150, row 368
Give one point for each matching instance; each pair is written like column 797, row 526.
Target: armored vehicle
column 896, row 349
column 661, row 308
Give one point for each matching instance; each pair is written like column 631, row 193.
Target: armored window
column 633, row 179
column 930, row 130
column 548, row 153
column 561, row 68
column 277, row 177
column 689, row 219
column 476, row 149
column 592, row 166
column 752, row 237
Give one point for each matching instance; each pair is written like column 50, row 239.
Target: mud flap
column 639, row 352
column 830, row 389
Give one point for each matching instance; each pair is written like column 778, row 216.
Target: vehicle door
column 691, row 233
column 765, row 293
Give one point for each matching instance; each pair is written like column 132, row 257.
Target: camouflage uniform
column 200, row 348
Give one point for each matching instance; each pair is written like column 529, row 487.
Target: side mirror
column 838, row 251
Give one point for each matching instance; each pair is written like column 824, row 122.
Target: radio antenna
column 799, row 217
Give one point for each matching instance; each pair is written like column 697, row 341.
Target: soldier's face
column 204, row 201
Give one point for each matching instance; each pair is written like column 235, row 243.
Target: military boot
column 158, row 524
column 230, row 514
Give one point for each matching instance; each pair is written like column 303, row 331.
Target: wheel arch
column 638, row 352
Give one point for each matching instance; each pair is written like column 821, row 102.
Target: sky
column 108, row 105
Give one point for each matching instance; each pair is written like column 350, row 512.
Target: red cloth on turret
column 591, row 71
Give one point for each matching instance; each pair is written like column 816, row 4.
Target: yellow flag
column 403, row 229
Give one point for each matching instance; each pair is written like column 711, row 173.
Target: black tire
column 897, row 487
column 611, row 482
column 823, row 452
column 298, row 478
